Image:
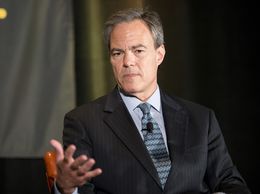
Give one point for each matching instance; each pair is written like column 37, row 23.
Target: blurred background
column 52, row 58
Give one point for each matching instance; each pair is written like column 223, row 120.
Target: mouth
column 130, row 75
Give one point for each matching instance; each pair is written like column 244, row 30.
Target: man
column 109, row 143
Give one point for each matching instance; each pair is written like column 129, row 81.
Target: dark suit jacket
column 104, row 130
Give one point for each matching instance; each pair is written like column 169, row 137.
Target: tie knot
column 145, row 107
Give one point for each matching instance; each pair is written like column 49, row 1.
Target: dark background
column 211, row 59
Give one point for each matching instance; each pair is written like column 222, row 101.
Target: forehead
column 135, row 31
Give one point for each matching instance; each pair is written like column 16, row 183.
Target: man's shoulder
column 89, row 106
column 188, row 109
column 97, row 105
column 182, row 104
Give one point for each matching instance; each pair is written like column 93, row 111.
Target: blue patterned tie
column 155, row 144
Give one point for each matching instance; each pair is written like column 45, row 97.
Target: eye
column 139, row 51
column 116, row 53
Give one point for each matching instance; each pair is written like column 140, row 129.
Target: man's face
column 134, row 58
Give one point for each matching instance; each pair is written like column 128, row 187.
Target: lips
column 130, row 75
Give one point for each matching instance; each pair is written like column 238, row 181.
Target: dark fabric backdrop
column 210, row 59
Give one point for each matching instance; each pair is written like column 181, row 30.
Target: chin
column 130, row 90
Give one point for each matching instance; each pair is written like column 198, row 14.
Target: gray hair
column 150, row 18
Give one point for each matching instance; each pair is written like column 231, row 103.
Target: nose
column 128, row 59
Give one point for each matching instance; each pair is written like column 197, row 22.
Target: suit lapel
column 176, row 121
column 120, row 121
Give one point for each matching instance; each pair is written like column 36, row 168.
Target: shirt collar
column 132, row 102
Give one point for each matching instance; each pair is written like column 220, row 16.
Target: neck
column 141, row 95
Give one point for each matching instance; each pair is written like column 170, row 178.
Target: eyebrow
column 133, row 47
column 138, row 46
column 116, row 49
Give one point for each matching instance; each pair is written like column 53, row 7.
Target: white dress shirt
column 132, row 103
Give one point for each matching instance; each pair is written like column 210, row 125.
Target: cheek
column 152, row 72
column 116, row 69
column 151, row 68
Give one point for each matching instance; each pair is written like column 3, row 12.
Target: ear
column 160, row 53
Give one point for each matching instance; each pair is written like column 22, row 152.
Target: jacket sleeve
column 221, row 174
column 74, row 133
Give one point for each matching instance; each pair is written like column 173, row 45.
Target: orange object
column 51, row 169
